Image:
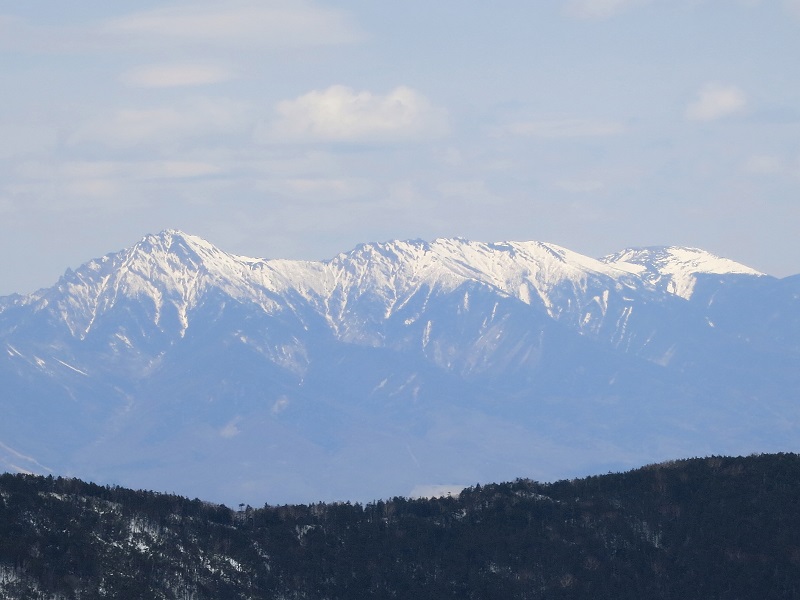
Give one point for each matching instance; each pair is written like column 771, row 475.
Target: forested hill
column 718, row 527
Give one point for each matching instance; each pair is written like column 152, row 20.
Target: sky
column 298, row 129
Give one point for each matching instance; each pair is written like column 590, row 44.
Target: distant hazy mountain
column 176, row 366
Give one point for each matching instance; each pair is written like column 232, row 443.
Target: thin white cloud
column 564, row 128
column 339, row 113
column 580, row 186
column 716, row 101
column 770, row 165
column 340, row 187
column 599, row 9
column 469, row 190
column 231, row 429
column 243, row 23
column 142, row 126
column 119, row 170
column 249, row 25
column 280, row 405
column 765, row 164
column 320, row 189
column 176, row 75
column 50, row 187
column 24, row 138
column 93, row 188
column 178, row 169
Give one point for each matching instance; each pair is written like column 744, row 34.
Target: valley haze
column 393, row 369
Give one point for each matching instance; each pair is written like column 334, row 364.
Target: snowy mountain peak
column 167, row 272
column 675, row 268
column 170, row 273
column 535, row 273
column 190, row 250
column 278, row 374
column 449, row 262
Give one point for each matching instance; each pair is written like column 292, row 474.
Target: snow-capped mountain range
column 391, row 368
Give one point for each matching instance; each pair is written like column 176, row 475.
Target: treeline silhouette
column 711, row 528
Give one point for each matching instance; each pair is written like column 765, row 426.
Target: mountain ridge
column 445, row 362
column 169, row 258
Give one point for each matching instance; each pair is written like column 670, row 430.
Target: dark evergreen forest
column 712, row 528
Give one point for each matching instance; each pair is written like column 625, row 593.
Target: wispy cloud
column 764, row 164
column 96, row 170
column 24, row 138
column 599, row 9
column 231, row 429
column 771, row 165
column 319, row 189
column 49, row 187
column 176, row 75
column 196, row 27
column 716, row 101
column 138, row 126
column 474, row 191
column 267, row 23
column 580, row 186
column 564, row 128
column 340, row 113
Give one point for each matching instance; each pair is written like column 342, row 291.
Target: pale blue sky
column 297, row 129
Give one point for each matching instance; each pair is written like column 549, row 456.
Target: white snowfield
column 176, row 268
column 675, row 268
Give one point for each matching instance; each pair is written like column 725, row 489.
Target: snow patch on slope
column 169, row 275
column 171, row 271
column 531, row 272
column 674, row 268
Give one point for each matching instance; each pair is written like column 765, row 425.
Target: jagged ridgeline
column 394, row 367
column 695, row 529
